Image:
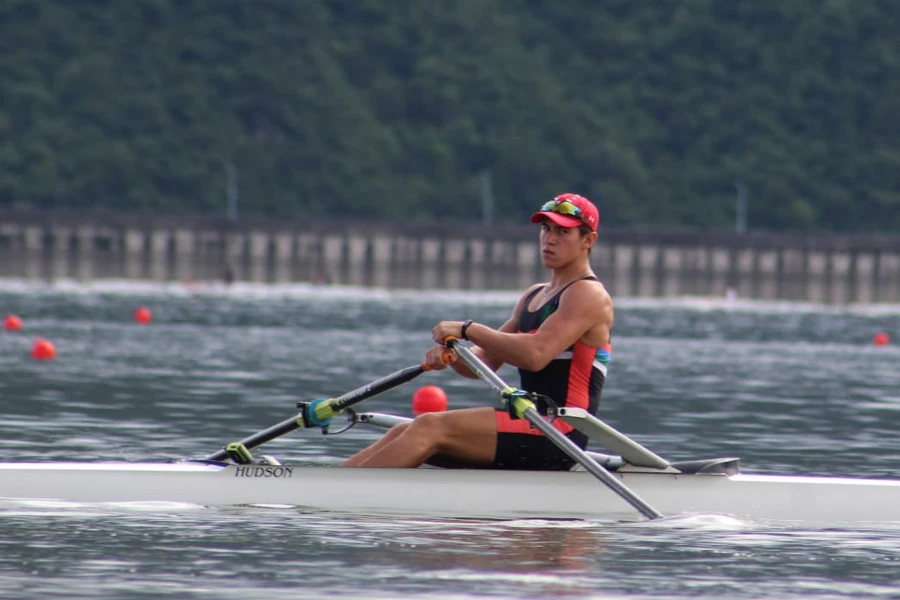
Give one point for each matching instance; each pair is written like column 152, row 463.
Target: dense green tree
column 374, row 109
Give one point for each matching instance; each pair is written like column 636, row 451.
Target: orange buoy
column 881, row 339
column 429, row 398
column 12, row 323
column 43, row 349
column 143, row 315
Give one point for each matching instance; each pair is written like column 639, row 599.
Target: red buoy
column 429, row 398
column 881, row 339
column 43, row 349
column 12, row 323
column 143, row 315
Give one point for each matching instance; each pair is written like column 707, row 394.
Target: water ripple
column 792, row 389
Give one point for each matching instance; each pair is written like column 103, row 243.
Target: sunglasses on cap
column 563, row 207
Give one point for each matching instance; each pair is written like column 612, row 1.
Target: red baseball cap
column 569, row 210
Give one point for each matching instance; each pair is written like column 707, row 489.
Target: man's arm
column 585, row 311
column 488, row 359
column 494, row 362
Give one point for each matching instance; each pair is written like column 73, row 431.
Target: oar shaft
column 590, row 465
column 267, row 435
column 376, row 387
column 483, row 372
column 328, row 408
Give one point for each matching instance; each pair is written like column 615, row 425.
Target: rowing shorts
column 530, row 451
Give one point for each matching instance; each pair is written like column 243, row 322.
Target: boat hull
column 456, row 493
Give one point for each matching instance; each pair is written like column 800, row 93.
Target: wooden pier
column 822, row 268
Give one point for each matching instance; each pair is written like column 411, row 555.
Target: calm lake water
column 788, row 388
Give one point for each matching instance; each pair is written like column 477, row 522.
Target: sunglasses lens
column 567, row 208
column 562, row 207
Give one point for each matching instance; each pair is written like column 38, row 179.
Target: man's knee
column 394, row 432
column 397, row 429
column 429, row 423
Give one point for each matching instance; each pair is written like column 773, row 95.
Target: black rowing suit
column 573, row 378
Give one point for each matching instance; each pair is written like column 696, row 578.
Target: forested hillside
column 374, row 108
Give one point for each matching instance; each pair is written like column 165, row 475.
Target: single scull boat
column 641, row 480
column 458, row 493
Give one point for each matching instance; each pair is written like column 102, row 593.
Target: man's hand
column 445, row 329
column 439, row 357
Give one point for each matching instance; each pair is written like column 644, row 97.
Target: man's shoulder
column 591, row 285
column 590, row 290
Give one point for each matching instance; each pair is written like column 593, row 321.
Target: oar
column 317, row 413
column 521, row 404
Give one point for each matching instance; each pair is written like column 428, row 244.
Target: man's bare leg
column 468, row 434
column 365, row 453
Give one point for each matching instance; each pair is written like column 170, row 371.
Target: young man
column 559, row 338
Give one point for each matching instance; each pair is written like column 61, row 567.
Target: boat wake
column 46, row 507
column 696, row 521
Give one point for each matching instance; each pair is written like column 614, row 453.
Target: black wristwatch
column 462, row 330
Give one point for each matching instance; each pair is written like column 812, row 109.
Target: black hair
column 583, row 230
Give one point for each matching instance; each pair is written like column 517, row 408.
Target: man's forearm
column 502, row 347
